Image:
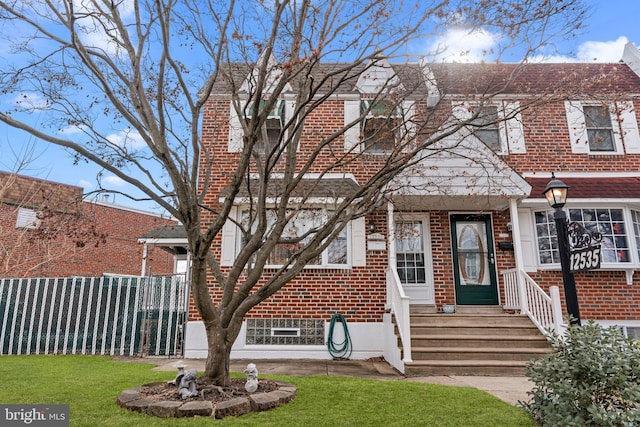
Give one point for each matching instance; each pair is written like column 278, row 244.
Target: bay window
column 619, row 227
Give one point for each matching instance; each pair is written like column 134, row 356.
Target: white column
column 517, row 253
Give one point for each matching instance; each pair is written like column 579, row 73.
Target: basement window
column 632, row 332
column 285, row 332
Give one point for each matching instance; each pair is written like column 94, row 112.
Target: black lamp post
column 556, row 194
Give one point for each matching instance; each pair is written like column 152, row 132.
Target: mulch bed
column 206, row 389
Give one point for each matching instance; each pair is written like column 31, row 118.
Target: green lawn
column 90, row 385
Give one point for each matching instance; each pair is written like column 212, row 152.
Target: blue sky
column 609, row 27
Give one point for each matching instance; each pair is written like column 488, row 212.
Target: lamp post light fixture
column 556, row 194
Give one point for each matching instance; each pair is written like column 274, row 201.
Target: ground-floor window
column 299, row 231
column 619, row 227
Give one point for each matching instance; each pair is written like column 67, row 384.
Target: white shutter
column 629, row 127
column 408, row 116
column 358, row 243
column 235, row 131
column 351, row 135
column 514, row 129
column 527, row 240
column 228, row 246
column 577, row 127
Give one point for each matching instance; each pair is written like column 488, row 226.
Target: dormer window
column 379, row 128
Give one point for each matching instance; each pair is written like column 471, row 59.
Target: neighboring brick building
column 474, row 212
column 47, row 230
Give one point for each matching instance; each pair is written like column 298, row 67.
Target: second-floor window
column 379, row 128
column 488, row 130
column 602, row 128
column 496, row 123
column 271, row 131
column 599, row 128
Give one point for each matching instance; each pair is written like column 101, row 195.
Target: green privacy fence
column 115, row 315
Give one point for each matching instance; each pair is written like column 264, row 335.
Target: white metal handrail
column 400, row 308
column 523, row 293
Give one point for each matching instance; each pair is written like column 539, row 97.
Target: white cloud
column 87, row 185
column 594, row 51
column 114, row 181
column 127, row 138
column 96, row 31
column 72, row 129
column 590, row 51
column 460, row 45
column 30, row 102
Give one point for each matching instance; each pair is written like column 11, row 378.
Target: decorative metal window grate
column 285, row 332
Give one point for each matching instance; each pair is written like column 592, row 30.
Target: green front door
column 474, row 260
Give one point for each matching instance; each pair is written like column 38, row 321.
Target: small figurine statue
column 187, row 385
column 252, row 378
column 180, row 367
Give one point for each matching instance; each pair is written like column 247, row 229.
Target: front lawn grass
column 90, row 385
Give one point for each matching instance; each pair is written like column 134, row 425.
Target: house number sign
column 585, row 246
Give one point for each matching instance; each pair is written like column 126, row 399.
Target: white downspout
column 145, row 253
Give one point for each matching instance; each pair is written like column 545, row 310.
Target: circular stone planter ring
column 132, row 399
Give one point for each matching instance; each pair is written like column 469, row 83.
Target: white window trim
column 623, row 122
column 356, row 244
column 510, row 127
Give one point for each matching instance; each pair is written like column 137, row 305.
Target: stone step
column 470, row 320
column 465, row 367
column 461, row 309
column 501, row 330
column 466, row 341
column 477, row 353
column 475, row 340
column 478, row 309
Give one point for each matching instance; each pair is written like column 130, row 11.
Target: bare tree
column 151, row 72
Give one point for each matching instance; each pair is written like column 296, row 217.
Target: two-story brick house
column 466, row 226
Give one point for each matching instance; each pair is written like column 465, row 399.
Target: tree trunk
column 219, row 354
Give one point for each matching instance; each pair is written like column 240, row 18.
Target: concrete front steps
column 475, row 340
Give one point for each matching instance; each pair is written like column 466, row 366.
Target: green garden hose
column 341, row 350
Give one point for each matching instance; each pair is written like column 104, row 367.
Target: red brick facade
column 75, row 238
column 360, row 292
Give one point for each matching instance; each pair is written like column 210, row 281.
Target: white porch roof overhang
column 458, row 175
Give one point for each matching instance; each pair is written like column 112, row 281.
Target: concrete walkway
column 508, row 389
